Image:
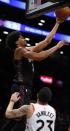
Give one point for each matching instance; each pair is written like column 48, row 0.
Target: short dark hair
column 12, row 38
column 44, row 95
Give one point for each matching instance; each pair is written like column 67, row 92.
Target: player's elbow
column 8, row 114
column 39, row 58
column 42, row 55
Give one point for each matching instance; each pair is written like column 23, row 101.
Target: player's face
column 21, row 42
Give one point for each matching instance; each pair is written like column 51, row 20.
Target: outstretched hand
column 62, row 43
column 66, row 43
column 62, row 14
column 15, row 97
column 59, row 20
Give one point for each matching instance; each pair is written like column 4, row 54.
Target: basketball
column 62, row 13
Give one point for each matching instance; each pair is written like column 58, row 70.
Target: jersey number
column 42, row 124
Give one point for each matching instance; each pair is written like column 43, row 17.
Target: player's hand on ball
column 59, row 20
column 62, row 14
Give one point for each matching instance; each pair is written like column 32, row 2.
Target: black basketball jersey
column 24, row 71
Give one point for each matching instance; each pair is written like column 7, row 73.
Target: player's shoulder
column 33, row 106
column 51, row 108
column 18, row 49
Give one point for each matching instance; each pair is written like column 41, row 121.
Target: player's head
column 13, row 38
column 44, row 95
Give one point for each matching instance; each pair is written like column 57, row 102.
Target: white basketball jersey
column 43, row 118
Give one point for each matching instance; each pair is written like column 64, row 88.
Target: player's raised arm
column 15, row 113
column 41, row 45
column 43, row 54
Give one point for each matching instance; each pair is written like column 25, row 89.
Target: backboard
column 35, row 8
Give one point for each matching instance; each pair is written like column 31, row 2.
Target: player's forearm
column 52, row 33
column 9, row 109
column 44, row 54
column 41, row 45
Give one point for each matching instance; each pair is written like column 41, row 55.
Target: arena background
column 53, row 72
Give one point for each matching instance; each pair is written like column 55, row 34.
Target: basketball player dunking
column 23, row 54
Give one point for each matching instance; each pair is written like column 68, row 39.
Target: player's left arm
column 41, row 45
column 15, row 113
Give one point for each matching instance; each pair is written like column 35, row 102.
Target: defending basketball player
column 40, row 115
